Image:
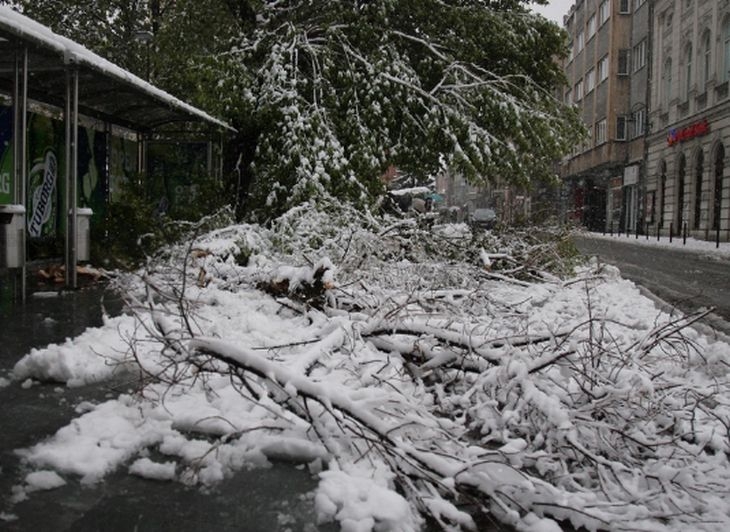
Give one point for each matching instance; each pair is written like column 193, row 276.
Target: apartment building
column 688, row 182
column 608, row 72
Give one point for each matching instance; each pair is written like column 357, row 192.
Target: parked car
column 483, row 218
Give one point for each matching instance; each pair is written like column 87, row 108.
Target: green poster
column 122, row 165
column 44, row 141
column 7, row 191
column 177, row 169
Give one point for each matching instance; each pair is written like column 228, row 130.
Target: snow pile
column 412, row 379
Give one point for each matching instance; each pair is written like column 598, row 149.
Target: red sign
column 687, row 133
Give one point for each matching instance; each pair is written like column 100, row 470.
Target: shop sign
column 687, row 133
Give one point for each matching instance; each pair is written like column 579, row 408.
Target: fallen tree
column 447, row 368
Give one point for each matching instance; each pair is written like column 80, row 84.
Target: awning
column 106, row 91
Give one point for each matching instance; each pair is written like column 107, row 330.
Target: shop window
column 699, row 163
column 662, row 192
column 719, row 172
column 679, row 200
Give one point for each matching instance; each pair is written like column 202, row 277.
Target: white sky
column 555, row 10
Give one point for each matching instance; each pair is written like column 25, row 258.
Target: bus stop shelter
column 48, row 79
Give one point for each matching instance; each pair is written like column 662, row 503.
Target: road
column 686, row 279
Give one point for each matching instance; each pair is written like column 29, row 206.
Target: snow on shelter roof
column 106, row 91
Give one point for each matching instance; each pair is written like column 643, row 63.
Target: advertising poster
column 92, row 178
column 45, row 146
column 122, row 165
column 176, row 169
column 7, row 190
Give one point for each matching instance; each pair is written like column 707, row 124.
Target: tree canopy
column 327, row 95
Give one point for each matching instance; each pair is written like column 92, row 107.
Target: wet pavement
column 688, row 280
column 273, row 499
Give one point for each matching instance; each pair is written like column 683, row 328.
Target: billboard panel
column 7, row 188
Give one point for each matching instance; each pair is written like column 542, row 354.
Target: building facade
column 688, row 182
column 608, row 72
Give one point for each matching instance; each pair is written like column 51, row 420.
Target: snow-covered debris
column 419, row 384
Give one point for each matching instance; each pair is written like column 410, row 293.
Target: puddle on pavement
column 276, row 498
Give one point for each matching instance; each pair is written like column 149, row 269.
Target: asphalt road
column 689, row 280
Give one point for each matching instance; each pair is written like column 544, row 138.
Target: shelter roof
column 106, row 91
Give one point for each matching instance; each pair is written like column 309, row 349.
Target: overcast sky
column 555, row 10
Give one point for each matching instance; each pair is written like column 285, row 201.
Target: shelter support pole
column 20, row 139
column 142, row 145
column 209, row 159
column 72, row 152
column 220, row 156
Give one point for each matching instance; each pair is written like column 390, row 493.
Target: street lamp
column 145, row 37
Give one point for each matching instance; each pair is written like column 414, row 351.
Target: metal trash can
column 83, row 234
column 12, row 236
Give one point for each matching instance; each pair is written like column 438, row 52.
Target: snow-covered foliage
column 422, row 372
column 342, row 90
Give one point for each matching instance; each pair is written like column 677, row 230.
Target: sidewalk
column 677, row 243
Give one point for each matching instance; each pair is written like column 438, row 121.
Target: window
column 590, row 80
column 600, row 132
column 591, row 26
column 578, row 91
column 603, row 69
column 580, row 43
column 623, row 62
column 726, row 50
column 571, row 52
column 639, row 56
column 621, row 128
column 639, row 119
column 604, row 11
column 687, row 70
column 666, row 85
column 624, row 7
column 706, row 62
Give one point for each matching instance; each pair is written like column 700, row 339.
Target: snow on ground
column 411, row 368
column 690, row 244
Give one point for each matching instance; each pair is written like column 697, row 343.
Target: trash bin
column 12, row 236
column 83, row 234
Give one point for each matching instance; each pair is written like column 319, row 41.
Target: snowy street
column 690, row 276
